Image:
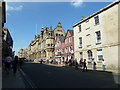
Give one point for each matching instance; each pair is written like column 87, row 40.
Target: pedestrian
column 93, row 64
column 81, row 62
column 8, row 63
column 15, row 64
column 51, row 62
column 47, row 61
column 75, row 63
column 66, row 62
column 70, row 62
column 21, row 62
column 41, row 61
column 103, row 65
column 63, row 62
column 84, row 65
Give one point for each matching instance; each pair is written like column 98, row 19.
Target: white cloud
column 77, row 3
column 15, row 8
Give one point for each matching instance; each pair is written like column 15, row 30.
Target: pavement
column 12, row 81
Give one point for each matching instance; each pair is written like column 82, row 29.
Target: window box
column 98, row 43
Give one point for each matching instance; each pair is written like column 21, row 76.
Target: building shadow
column 70, row 77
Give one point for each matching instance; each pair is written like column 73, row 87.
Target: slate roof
column 62, row 38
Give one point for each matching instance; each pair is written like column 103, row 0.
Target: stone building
column 42, row 47
column 7, row 43
column 3, row 12
column 2, row 21
column 97, row 36
column 22, row 53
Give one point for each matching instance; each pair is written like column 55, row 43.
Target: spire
column 35, row 36
column 59, row 24
column 51, row 28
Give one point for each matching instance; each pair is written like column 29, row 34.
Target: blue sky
column 22, row 17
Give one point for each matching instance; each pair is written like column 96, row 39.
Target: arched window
column 89, row 54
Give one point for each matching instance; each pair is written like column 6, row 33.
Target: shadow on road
column 46, row 76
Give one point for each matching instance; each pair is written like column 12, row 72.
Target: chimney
column 35, row 36
column 83, row 18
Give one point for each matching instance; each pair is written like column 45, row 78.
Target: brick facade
column 64, row 47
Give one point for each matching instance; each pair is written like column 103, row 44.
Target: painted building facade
column 97, row 37
column 64, row 47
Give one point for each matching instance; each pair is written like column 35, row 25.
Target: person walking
column 93, row 64
column 70, row 62
column 8, row 63
column 75, row 63
column 103, row 65
column 81, row 62
column 21, row 60
column 66, row 62
column 15, row 63
column 84, row 65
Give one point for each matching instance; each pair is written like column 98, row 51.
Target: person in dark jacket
column 84, row 65
column 15, row 63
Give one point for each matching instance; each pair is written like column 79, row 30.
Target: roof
column 101, row 10
column 62, row 38
column 71, row 32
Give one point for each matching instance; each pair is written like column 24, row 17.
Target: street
column 45, row 76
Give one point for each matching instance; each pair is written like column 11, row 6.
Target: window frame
column 80, row 29
column 70, row 39
column 100, row 54
column 98, row 37
column 90, row 55
column 66, row 49
column 80, row 42
column 70, row 48
column 81, row 55
column 97, row 20
column 62, row 50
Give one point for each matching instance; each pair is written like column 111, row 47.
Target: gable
column 68, row 34
column 57, row 39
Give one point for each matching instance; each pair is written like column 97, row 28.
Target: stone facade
column 2, row 21
column 97, row 36
column 22, row 53
column 42, row 47
column 6, row 41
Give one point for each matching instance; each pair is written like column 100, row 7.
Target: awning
column 57, row 56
